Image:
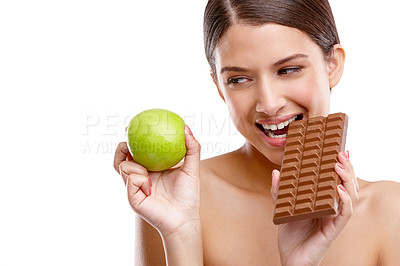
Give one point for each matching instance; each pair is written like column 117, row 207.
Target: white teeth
column 272, row 135
column 280, row 125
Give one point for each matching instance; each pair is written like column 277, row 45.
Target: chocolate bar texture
column 308, row 181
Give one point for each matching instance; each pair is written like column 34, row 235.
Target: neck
column 259, row 168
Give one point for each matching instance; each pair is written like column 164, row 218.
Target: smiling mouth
column 279, row 130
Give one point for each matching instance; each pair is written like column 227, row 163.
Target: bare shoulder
column 219, row 166
column 216, row 163
column 380, row 201
column 219, row 171
column 382, row 195
column 381, row 198
column 213, row 171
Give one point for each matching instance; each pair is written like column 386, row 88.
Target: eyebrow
column 233, row 69
column 290, row 58
column 278, row 63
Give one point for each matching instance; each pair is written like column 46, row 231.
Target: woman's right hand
column 306, row 242
column 168, row 200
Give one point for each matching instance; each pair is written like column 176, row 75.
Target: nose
column 270, row 99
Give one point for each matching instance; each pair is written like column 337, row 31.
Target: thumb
column 192, row 158
column 275, row 184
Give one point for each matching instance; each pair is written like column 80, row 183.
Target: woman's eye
column 285, row 71
column 237, row 80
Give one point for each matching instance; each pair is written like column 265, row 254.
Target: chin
column 272, row 154
column 275, row 156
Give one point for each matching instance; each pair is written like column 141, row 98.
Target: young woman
column 271, row 61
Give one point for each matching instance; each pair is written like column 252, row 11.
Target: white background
column 73, row 73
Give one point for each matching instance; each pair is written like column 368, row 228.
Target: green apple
column 156, row 139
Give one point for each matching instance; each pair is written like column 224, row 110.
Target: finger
column 192, row 158
column 121, row 154
column 347, row 181
column 178, row 165
column 138, row 188
column 129, row 157
column 128, row 167
column 344, row 159
column 358, row 187
column 355, row 177
column 346, row 208
column 275, row 184
column 345, row 170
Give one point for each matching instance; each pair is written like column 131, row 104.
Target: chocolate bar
column 308, row 181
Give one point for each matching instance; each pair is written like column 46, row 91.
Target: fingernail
column 151, row 183
column 341, row 166
column 342, row 188
column 148, row 190
column 189, row 131
column 347, row 155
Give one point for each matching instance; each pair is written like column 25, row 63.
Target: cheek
column 241, row 109
column 313, row 94
column 239, row 105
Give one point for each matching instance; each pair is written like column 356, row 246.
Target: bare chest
column 238, row 230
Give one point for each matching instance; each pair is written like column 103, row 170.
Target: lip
column 278, row 120
column 275, row 142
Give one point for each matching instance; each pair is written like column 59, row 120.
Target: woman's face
column 269, row 76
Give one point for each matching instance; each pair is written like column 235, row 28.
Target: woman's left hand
column 306, row 242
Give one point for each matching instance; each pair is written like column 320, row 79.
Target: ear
column 336, row 65
column 216, row 84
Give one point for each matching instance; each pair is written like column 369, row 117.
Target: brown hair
column 314, row 17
